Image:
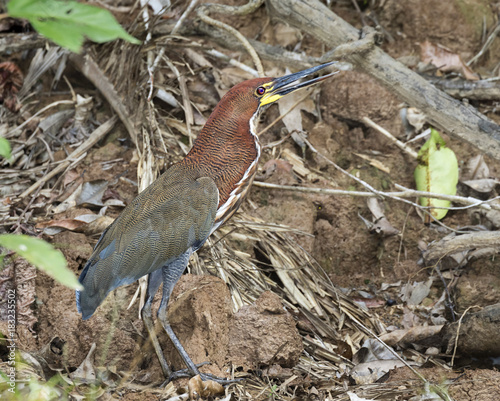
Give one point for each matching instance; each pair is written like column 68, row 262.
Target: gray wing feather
column 173, row 215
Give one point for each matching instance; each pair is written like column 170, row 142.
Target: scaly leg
column 154, row 281
column 171, row 275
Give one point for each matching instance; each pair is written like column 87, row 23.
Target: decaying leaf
column 483, row 185
column 354, row 397
column 476, row 168
column 445, row 60
column 86, row 372
column 11, row 80
column 199, row 389
column 373, row 361
column 477, row 176
column 437, row 172
column 380, row 223
column 92, row 193
column 414, row 294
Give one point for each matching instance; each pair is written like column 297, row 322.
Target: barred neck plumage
column 228, row 150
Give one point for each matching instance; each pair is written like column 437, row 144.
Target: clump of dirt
column 264, row 333
column 200, row 315
column 258, row 334
column 478, row 334
column 277, row 209
column 478, row 286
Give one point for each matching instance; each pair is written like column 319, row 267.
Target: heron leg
column 154, row 281
column 171, row 274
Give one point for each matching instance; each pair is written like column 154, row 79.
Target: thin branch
column 397, row 195
column 393, row 139
column 486, row 45
column 248, row 8
column 97, row 135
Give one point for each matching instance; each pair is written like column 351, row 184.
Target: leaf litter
column 332, row 322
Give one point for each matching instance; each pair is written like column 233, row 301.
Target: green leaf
column 4, row 148
column 66, row 23
column 437, row 172
column 43, row 255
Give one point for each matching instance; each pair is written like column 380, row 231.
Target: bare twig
column 486, row 45
column 152, row 68
column 393, row 139
column 450, row 245
column 232, row 61
column 94, row 74
column 397, row 195
column 458, row 332
column 41, row 111
column 97, row 135
column 248, row 8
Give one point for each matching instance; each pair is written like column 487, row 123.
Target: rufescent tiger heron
column 172, row 218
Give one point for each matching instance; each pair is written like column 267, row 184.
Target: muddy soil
column 354, row 258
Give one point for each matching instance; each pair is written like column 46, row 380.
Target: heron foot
column 204, row 376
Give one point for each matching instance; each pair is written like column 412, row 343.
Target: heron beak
column 282, row 86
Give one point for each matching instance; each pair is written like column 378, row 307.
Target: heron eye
column 260, row 91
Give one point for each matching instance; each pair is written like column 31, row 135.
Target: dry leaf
column 484, row 185
column 199, row 389
column 373, row 361
column 354, row 397
column 414, row 294
column 415, row 118
column 476, row 168
column 293, row 120
column 56, row 226
column 86, row 372
column 445, row 60
column 380, row 223
column 11, row 80
column 92, row 193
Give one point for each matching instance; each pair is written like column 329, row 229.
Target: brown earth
column 200, row 308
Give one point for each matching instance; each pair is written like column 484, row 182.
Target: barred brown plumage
column 172, row 218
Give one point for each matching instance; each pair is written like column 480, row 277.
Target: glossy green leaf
column 67, row 23
column 437, row 172
column 4, row 148
column 43, row 255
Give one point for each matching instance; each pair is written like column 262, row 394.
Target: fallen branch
column 486, row 89
column 454, row 244
column 444, row 112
